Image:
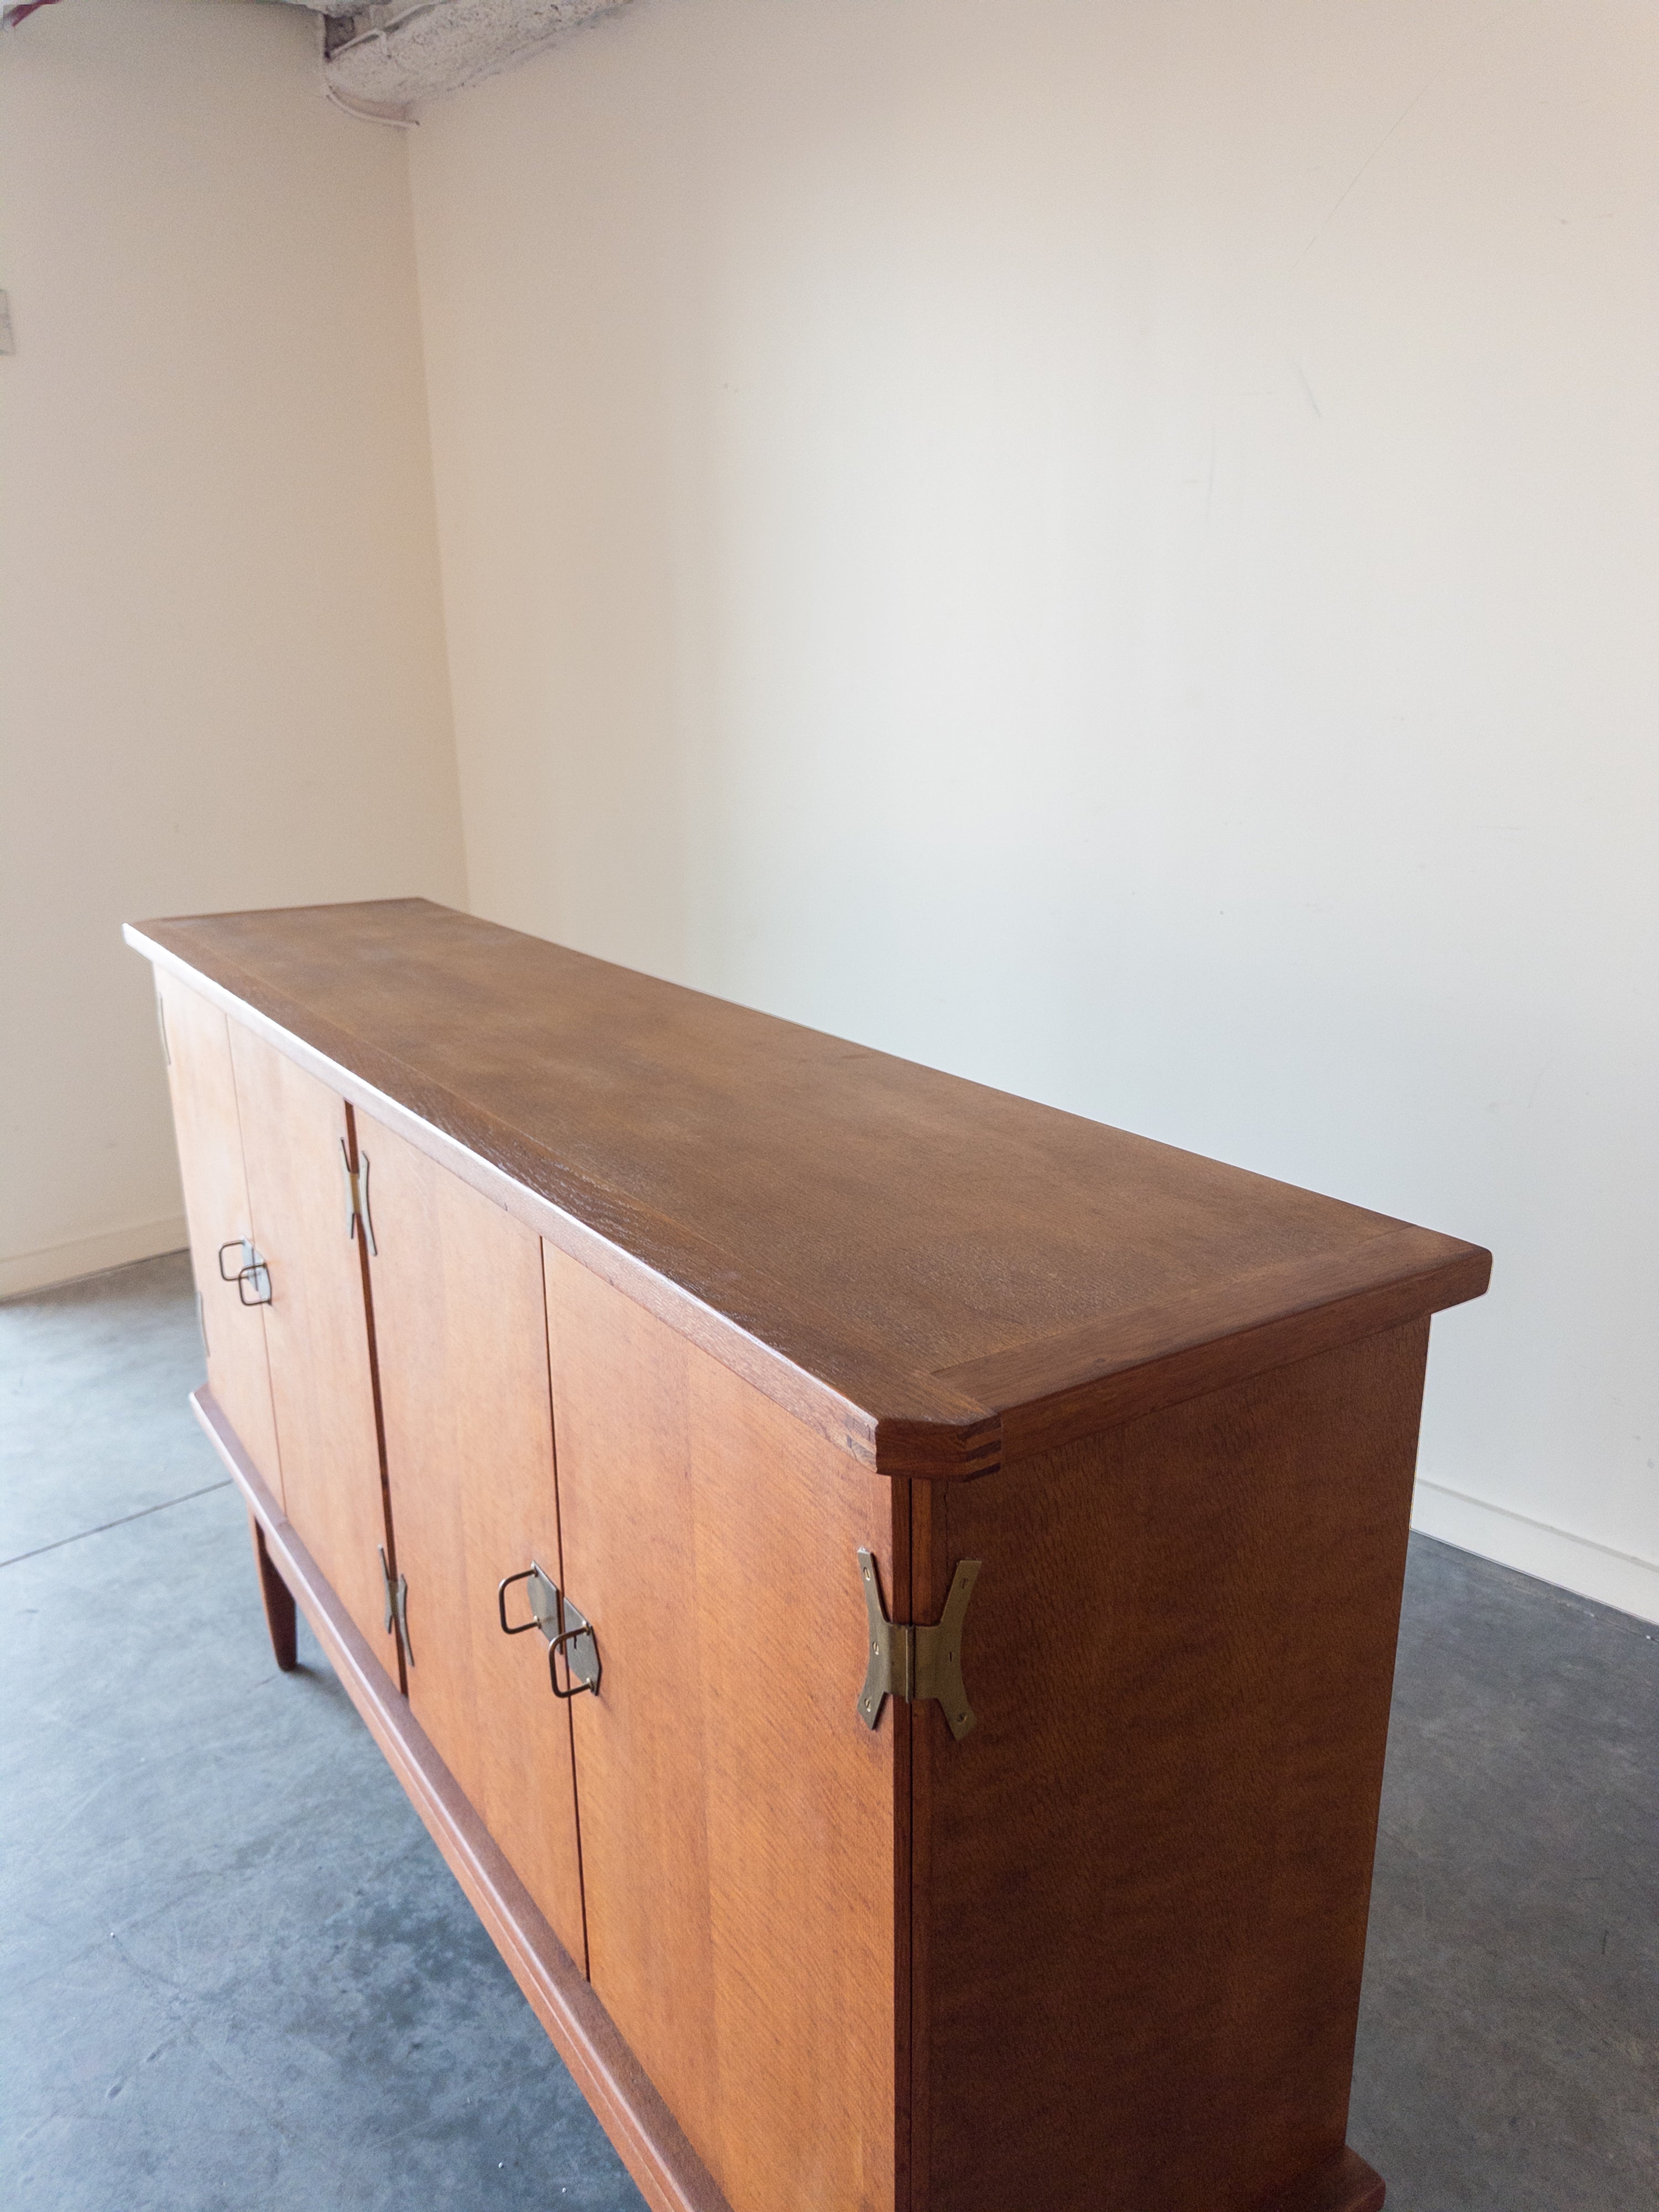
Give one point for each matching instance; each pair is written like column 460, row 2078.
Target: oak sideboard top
column 940, row 1275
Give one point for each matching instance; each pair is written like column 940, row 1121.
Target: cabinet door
column 461, row 1339
column 738, row 1845
column 205, row 1120
column 316, row 1326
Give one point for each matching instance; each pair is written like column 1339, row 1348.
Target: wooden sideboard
column 884, row 1593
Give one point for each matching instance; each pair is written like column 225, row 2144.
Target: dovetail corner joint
column 917, row 1663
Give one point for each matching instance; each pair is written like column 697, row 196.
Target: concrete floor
column 236, row 1977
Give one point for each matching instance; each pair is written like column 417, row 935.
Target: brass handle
column 534, row 1621
column 254, row 1271
column 576, row 1669
column 565, row 1628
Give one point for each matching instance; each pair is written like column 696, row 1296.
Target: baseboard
column 1619, row 1579
column 91, row 1255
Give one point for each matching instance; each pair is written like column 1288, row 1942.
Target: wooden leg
column 278, row 1603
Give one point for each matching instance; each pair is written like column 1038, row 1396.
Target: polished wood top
column 940, row 1274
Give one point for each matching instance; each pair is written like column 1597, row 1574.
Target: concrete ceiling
column 378, row 61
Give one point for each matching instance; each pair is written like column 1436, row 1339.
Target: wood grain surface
column 316, row 1326
column 676, row 1299
column 462, row 1339
column 737, row 1822
column 650, row 2140
column 904, row 1259
column 1142, row 1881
column 208, row 1129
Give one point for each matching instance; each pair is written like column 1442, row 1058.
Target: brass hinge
column 357, row 1183
column 397, row 1606
column 569, row 1632
column 917, row 1663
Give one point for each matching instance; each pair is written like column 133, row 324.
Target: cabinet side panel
column 737, row 1821
column 316, row 1326
column 205, row 1120
column 462, row 1342
column 1150, row 1860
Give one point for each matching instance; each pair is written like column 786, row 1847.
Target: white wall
column 1111, row 548
column 220, row 623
